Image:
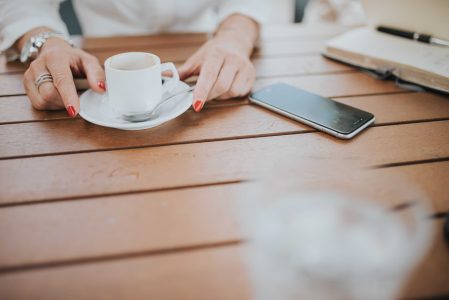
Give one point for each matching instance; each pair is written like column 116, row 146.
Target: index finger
column 208, row 75
column 63, row 82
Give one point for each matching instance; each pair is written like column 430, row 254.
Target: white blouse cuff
column 12, row 32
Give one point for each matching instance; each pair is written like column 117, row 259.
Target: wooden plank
column 431, row 277
column 302, row 65
column 345, row 84
column 279, row 49
column 216, row 274
column 11, row 84
column 173, row 54
column 11, row 67
column 229, row 122
column 293, row 47
column 397, row 108
column 271, row 35
column 155, row 40
column 213, row 123
column 19, row 109
column 290, row 49
column 178, row 46
column 169, row 48
column 300, row 31
column 74, row 231
column 103, row 227
column 401, row 107
column 433, row 179
column 329, row 85
column 86, row 174
column 202, row 274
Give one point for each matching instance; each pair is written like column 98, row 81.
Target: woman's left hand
column 224, row 68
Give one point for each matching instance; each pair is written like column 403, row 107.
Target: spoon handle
column 146, row 116
column 191, row 88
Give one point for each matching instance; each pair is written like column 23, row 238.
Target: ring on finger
column 42, row 79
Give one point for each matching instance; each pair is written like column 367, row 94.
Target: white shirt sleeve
column 259, row 10
column 17, row 17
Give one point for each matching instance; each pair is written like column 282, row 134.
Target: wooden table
column 88, row 212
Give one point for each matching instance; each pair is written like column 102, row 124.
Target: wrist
column 36, row 43
column 236, row 40
column 239, row 30
column 54, row 42
column 20, row 43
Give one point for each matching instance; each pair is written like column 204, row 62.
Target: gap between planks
column 207, row 140
column 88, row 260
column 440, row 214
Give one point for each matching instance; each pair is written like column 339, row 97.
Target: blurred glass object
column 334, row 233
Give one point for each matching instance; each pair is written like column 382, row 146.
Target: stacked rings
column 42, row 79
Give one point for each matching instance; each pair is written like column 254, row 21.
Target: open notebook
column 423, row 64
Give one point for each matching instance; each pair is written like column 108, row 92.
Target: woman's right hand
column 62, row 62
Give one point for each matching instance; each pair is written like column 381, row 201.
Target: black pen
column 424, row 38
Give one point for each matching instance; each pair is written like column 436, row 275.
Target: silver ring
column 42, row 79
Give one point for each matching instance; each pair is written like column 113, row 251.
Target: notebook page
column 371, row 43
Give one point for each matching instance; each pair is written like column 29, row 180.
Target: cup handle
column 171, row 82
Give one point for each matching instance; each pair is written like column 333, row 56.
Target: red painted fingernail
column 71, row 111
column 101, row 85
column 198, row 105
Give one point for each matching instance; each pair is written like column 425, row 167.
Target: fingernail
column 198, row 105
column 71, row 111
column 101, row 85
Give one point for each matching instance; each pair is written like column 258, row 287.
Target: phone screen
column 318, row 110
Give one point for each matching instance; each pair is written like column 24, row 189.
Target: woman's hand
column 62, row 62
column 223, row 64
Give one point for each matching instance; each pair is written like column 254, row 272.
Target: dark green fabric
column 69, row 17
column 300, row 5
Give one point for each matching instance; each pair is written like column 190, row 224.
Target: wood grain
column 217, row 274
column 329, row 85
column 214, row 123
column 293, row 47
column 155, row 40
column 431, row 277
column 202, row 274
column 299, row 40
column 174, row 50
column 12, row 67
column 81, row 175
column 18, row 109
column 400, row 107
column 301, row 65
column 432, row 178
column 125, row 225
column 11, row 84
column 397, row 108
column 276, row 32
column 151, row 214
column 168, row 47
column 179, row 53
column 341, row 85
column 120, row 225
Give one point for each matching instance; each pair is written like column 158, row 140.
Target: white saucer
column 95, row 108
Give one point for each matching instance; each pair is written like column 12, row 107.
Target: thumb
column 94, row 73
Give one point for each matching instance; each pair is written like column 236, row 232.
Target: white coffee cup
column 134, row 82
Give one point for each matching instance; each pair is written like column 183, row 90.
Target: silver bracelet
column 31, row 49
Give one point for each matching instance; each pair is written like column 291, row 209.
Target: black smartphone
column 337, row 119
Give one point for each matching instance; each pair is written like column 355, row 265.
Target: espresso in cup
column 134, row 81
